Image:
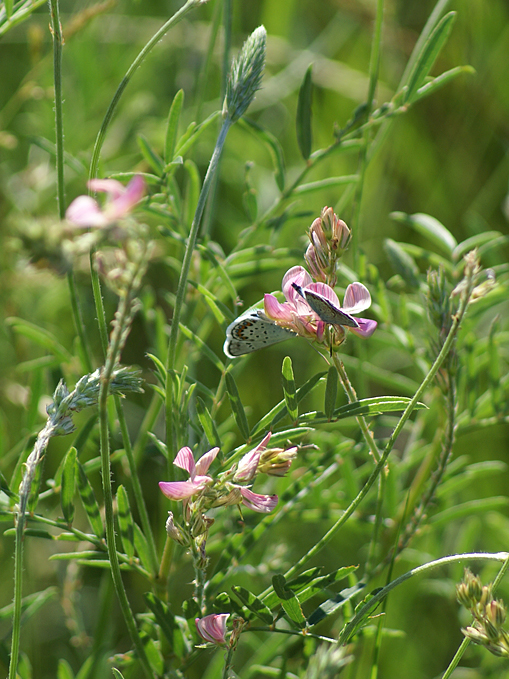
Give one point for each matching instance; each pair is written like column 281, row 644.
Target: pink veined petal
column 180, row 490
column 357, row 298
column 326, row 291
column 203, row 464
column 212, row 627
column 85, row 211
column 124, row 203
column 258, row 503
column 277, row 311
column 366, row 327
column 112, row 187
column 299, row 276
column 248, row 464
column 185, row 460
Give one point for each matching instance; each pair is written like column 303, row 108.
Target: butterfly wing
column 325, row 309
column 252, row 331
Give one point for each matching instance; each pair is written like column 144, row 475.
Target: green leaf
column 278, row 412
column 304, row 110
column 237, row 407
column 153, row 654
column 203, row 347
column 253, row 603
column 443, row 79
column 68, row 485
column 193, row 186
column 429, row 227
column 322, row 583
column 172, row 124
column 325, row 183
column 375, row 406
column 153, row 159
column 207, row 423
column 288, row 600
column 168, row 624
column 117, row 673
column 41, row 336
column 427, row 56
column 289, row 389
column 64, row 670
column 474, row 242
column 89, row 501
column 125, row 522
column 274, row 148
column 330, row 606
column 193, row 133
column 142, row 548
column 8, row 4
column 402, row 263
column 473, row 507
column 331, row 392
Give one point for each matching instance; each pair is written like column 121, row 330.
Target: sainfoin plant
column 232, row 490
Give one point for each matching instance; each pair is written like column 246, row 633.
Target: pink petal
column 357, row 298
column 326, row 291
column 248, row 464
column 185, row 460
column 84, row 211
column 258, row 503
column 180, row 490
column 366, row 327
column 110, row 186
column 212, row 627
column 298, row 275
column 124, row 203
column 277, row 311
column 203, row 464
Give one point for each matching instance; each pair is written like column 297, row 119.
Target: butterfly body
column 251, row 331
column 325, row 309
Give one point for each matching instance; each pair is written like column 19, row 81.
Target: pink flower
column 213, row 628
column 249, row 462
column 297, row 315
column 84, row 211
column 180, row 490
column 263, row 504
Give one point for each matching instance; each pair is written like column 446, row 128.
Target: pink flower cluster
column 297, row 315
column 85, row 212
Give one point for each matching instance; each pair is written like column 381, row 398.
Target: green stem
column 180, row 14
column 382, row 593
column 466, row 641
column 114, row 349
column 397, row 430
column 171, row 434
column 374, row 65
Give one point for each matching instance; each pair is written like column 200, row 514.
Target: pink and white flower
column 297, row 315
column 181, row 490
column 84, row 211
column 213, row 628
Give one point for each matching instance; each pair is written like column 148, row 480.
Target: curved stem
column 190, row 4
column 171, row 434
column 382, row 593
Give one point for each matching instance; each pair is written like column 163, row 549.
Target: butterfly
column 251, row 331
column 325, row 309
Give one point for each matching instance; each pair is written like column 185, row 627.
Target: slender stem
column 180, row 14
column 374, row 66
column 136, row 486
column 171, row 434
column 227, row 23
column 397, row 430
column 466, row 641
column 352, row 397
column 118, row 337
column 382, row 593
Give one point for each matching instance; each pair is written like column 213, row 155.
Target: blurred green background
column 447, row 156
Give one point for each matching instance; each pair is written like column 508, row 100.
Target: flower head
column 297, row 314
column 213, row 628
column 84, row 211
column 181, row 490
